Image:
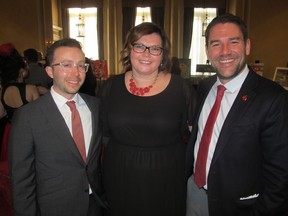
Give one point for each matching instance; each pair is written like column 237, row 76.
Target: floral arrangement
column 100, row 69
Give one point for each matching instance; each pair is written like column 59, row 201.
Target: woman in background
column 145, row 117
column 15, row 93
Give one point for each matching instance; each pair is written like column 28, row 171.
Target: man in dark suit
column 49, row 175
column 245, row 169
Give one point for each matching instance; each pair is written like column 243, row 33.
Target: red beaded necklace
column 140, row 91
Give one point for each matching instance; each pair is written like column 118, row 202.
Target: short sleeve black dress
column 143, row 163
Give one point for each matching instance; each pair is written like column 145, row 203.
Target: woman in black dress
column 145, row 117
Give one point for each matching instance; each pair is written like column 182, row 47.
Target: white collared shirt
column 232, row 90
column 84, row 112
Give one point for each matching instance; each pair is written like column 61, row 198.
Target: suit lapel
column 94, row 118
column 238, row 109
column 57, row 123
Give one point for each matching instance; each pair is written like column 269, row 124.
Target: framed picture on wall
column 185, row 67
column 281, row 76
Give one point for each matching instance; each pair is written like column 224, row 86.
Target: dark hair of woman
column 10, row 64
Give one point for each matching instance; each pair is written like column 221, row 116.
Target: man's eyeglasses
column 67, row 66
column 153, row 50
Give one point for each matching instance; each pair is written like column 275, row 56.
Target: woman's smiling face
column 145, row 63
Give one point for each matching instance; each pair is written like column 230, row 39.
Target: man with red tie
column 55, row 143
column 237, row 156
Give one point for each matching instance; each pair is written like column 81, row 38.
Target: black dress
column 143, row 164
column 10, row 111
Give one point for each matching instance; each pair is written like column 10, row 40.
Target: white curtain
column 197, row 51
column 90, row 40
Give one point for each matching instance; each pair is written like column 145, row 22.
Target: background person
column 37, row 74
column 14, row 94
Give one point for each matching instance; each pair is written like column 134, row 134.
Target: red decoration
column 138, row 91
column 256, row 68
column 244, row 97
column 6, row 49
column 100, row 69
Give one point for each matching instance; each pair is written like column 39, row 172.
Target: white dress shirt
column 84, row 112
column 232, row 90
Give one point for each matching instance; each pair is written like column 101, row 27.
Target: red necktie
column 77, row 129
column 200, row 168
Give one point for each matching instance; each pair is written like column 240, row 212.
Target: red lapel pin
column 244, row 97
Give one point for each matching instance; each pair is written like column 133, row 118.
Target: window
column 89, row 40
column 197, row 51
column 143, row 14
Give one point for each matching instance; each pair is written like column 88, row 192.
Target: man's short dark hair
column 65, row 42
column 31, row 55
column 227, row 18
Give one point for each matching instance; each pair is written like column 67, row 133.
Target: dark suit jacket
column 251, row 155
column 48, row 174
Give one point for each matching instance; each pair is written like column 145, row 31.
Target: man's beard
column 238, row 70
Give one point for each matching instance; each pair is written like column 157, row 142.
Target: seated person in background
column 37, row 74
